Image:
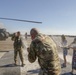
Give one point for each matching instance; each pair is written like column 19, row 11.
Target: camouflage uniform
column 45, row 49
column 18, row 48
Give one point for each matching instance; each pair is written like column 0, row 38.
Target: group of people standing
column 41, row 47
column 44, row 48
column 65, row 48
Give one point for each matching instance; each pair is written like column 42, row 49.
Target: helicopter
column 4, row 34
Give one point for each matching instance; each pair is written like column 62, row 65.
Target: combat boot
column 23, row 64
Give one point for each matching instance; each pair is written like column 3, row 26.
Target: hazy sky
column 57, row 16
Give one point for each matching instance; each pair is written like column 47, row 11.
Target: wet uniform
column 45, row 49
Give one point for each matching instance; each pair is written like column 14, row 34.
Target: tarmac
column 7, row 66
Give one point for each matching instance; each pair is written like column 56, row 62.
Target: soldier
column 18, row 48
column 45, row 49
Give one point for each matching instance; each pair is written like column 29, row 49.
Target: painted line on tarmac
column 2, row 53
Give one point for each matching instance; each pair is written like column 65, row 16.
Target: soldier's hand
column 28, row 49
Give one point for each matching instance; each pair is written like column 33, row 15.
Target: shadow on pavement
column 34, row 71
column 10, row 65
column 69, row 73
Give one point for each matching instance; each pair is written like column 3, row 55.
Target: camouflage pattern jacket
column 45, row 49
column 18, row 42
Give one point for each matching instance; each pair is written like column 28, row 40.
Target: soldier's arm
column 12, row 38
column 31, row 54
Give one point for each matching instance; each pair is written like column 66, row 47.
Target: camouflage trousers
column 16, row 51
column 43, row 72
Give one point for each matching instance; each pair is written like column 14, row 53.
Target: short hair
column 18, row 32
column 34, row 30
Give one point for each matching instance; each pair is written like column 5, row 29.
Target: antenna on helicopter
column 21, row 20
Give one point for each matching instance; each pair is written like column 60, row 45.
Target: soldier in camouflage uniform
column 18, row 48
column 45, row 49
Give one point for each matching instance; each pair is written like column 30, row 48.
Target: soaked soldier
column 18, row 48
column 45, row 49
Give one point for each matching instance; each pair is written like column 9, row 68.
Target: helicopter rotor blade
column 20, row 20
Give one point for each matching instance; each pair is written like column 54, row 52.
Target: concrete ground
column 7, row 66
